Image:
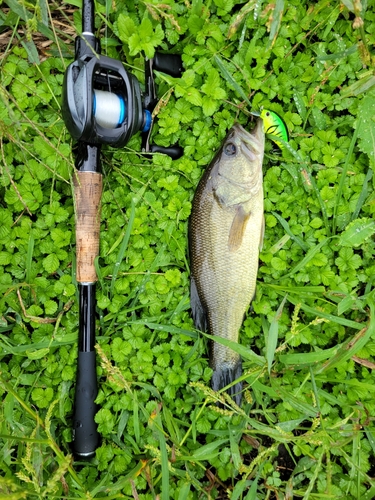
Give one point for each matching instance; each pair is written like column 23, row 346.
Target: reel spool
column 109, row 109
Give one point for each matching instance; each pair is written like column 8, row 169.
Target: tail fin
column 224, row 376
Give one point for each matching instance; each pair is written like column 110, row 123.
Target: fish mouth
column 248, row 137
column 252, row 142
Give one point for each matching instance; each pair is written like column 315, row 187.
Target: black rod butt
column 85, row 434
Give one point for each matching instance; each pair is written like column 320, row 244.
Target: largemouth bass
column 225, row 234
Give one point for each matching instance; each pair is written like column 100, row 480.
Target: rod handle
column 85, row 433
column 88, row 188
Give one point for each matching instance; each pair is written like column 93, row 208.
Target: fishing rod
column 102, row 104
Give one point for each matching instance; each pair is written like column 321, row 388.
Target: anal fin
column 198, row 312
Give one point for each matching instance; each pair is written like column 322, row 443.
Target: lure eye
column 230, row 149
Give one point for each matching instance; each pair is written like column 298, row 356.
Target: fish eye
column 230, row 149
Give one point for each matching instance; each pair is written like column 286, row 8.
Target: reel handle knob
column 171, row 64
column 175, row 152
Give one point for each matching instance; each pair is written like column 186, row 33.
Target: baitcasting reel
column 102, row 103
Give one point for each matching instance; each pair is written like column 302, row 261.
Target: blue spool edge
column 147, row 120
column 122, row 111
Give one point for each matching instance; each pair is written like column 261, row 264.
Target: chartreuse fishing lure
column 274, row 125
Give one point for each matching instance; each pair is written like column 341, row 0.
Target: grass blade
column 124, row 246
column 137, row 432
column 279, row 244
column 343, row 176
column 321, row 203
column 172, row 426
column 239, row 488
column 338, row 55
column 184, row 491
column 350, row 347
column 300, row 105
column 166, row 328
column 360, row 86
column 315, row 389
column 292, row 171
column 295, row 238
column 252, row 493
column 29, row 259
column 245, row 352
column 357, row 232
column 298, row 404
column 44, row 12
column 207, row 451
column 363, row 195
column 300, row 290
column 234, row 448
column 277, row 16
column 331, row 317
column 243, row 13
column 370, row 437
column 164, row 461
column 232, row 82
column 32, row 51
column 307, row 358
column 273, row 335
column 314, row 477
column 309, row 256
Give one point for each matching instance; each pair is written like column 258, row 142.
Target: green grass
column 305, row 429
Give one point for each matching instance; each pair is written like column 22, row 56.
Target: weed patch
column 306, row 427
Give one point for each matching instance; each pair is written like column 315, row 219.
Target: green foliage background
column 306, row 428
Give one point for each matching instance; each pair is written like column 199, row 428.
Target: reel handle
column 171, row 64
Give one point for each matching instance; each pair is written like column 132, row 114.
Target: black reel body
column 83, row 79
column 102, row 103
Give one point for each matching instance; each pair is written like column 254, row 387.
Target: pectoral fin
column 237, row 230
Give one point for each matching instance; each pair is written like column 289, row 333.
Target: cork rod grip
column 88, row 191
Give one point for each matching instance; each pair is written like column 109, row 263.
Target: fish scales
column 225, row 233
